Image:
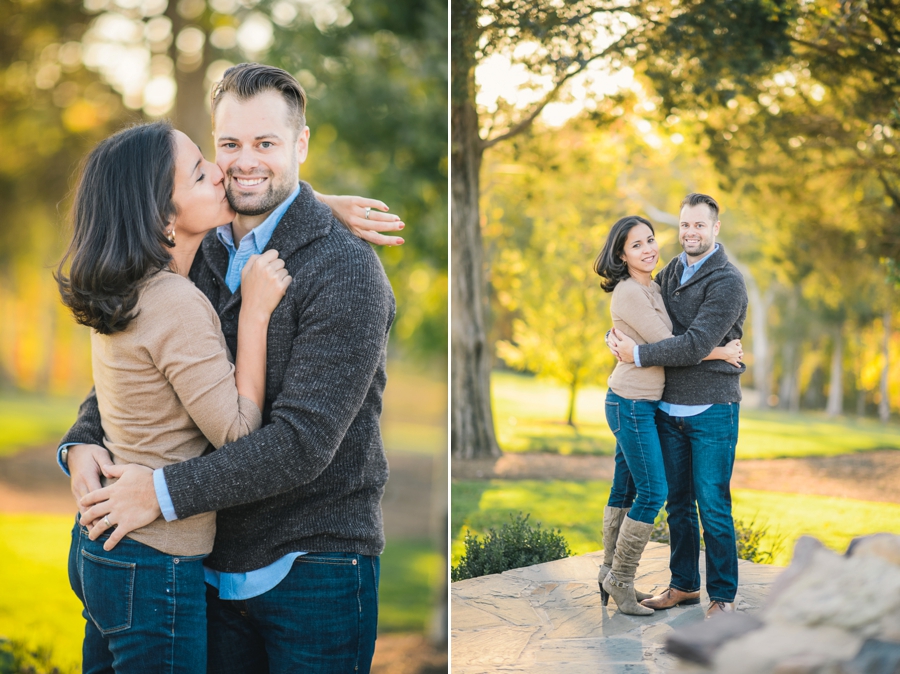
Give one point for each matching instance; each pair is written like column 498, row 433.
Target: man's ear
column 716, row 228
column 303, row 144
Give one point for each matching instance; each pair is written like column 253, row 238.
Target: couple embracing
column 672, row 404
column 261, row 556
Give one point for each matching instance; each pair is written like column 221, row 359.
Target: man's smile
column 248, row 182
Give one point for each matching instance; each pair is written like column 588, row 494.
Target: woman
column 165, row 386
column 626, row 263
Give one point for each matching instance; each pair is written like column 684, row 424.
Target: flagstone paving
column 548, row 618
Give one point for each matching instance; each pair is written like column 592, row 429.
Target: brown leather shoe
column 672, row 597
column 718, row 608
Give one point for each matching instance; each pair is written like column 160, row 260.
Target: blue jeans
column 698, row 453
column 321, row 618
column 144, row 610
column 639, row 461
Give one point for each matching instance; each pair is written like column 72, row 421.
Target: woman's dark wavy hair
column 122, row 206
column 609, row 263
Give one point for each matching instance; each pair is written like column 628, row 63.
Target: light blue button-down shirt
column 669, row 408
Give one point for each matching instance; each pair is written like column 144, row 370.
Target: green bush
column 517, row 544
column 749, row 539
column 15, row 658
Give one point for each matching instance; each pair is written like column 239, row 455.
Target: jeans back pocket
column 108, row 586
column 612, row 416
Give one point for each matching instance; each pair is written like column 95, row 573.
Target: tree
column 552, row 214
column 553, row 41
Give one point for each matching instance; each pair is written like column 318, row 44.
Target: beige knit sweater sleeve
column 634, row 306
column 182, row 334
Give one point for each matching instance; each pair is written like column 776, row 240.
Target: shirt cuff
column 637, row 355
column 163, row 496
column 59, row 460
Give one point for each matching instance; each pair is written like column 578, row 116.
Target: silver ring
column 106, row 522
column 367, row 213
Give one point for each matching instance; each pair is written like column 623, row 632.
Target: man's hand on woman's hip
column 85, row 463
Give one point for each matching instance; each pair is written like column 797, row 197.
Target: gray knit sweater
column 312, row 478
column 707, row 311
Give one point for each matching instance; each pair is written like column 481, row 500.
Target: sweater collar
column 305, row 220
column 716, row 260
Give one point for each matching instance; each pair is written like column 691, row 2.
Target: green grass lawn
column 38, row 607
column 29, row 420
column 576, row 508
column 530, row 416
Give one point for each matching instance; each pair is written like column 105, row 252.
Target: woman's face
column 641, row 252
column 199, row 193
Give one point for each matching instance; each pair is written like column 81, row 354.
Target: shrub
column 517, row 544
column 749, row 539
column 16, row 658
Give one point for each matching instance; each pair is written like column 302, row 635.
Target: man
column 292, row 580
column 697, row 418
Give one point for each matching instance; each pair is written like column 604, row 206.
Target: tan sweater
column 639, row 312
column 165, row 388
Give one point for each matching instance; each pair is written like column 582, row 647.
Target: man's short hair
column 246, row 80
column 695, row 199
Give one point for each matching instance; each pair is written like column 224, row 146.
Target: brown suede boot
column 612, row 522
column 633, row 538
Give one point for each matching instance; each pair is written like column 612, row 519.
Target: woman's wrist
column 253, row 316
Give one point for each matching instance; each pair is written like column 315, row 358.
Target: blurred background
column 566, row 117
column 74, row 71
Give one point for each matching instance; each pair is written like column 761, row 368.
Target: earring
column 170, row 235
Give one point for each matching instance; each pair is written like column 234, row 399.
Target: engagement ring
column 367, row 213
column 106, row 522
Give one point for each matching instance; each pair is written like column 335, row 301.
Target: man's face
column 258, row 150
column 697, row 230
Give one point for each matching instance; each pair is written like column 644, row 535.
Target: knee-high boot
column 633, row 538
column 612, row 522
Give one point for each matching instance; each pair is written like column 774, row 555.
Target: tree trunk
column 573, row 392
column 190, row 113
column 788, row 374
column 762, row 365
column 471, row 420
column 440, row 526
column 836, row 388
column 884, row 405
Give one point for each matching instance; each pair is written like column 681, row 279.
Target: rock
column 699, row 641
column 852, row 593
column 762, row 650
column 875, row 657
column 886, row 546
column 807, row 664
column 804, row 549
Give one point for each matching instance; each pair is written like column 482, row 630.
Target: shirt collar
column 262, row 232
column 696, row 265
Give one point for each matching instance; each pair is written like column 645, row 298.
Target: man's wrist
column 166, row 507
column 62, row 457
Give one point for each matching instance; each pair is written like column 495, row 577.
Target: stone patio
column 548, row 618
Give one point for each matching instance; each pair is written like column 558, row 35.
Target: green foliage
column 16, row 658
column 409, row 575
column 28, row 421
column 528, row 413
column 749, row 539
column 517, row 544
column 576, row 509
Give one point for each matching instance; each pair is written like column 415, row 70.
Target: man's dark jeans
column 321, row 619
column 698, row 453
